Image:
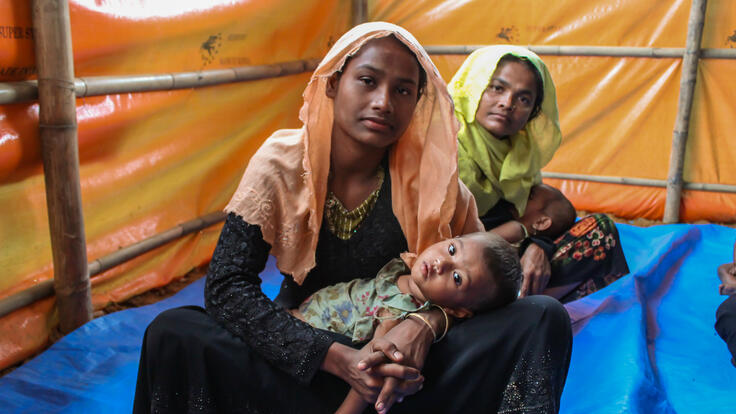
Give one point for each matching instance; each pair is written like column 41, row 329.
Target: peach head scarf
column 284, row 186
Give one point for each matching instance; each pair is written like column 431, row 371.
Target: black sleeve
column 543, row 242
column 234, row 298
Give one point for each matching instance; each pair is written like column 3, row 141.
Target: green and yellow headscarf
column 495, row 168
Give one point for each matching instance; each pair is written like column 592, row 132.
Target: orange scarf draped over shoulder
column 284, row 187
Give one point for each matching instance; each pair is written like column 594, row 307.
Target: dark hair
column 562, row 213
column 537, row 79
column 422, row 74
column 502, row 261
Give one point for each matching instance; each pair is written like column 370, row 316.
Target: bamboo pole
column 684, row 107
column 24, row 91
column 14, row 92
column 641, row 182
column 46, row 288
column 134, row 250
column 600, row 51
column 58, row 132
column 360, row 12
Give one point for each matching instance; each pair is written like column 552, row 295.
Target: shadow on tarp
column 645, row 344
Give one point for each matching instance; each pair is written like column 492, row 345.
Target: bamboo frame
column 23, row 91
column 46, row 288
column 600, row 51
column 359, row 13
column 684, row 108
column 58, row 133
column 641, row 182
column 94, row 86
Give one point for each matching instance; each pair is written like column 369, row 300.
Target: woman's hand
column 537, row 271
column 395, row 387
column 408, row 344
column 727, row 274
column 344, row 362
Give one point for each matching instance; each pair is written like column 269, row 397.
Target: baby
column 463, row 275
column 548, row 213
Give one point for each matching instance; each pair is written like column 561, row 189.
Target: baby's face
column 452, row 273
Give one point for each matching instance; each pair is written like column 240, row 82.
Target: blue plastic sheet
column 645, row 344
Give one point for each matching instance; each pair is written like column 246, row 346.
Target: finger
column 372, row 360
column 524, row 285
column 541, row 283
column 544, row 284
column 409, row 387
column 534, row 286
column 396, row 371
column 388, row 348
column 387, row 397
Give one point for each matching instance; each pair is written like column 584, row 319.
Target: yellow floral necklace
column 343, row 223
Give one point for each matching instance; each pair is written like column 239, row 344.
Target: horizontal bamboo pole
column 46, row 288
column 24, row 91
column 604, row 51
column 642, row 182
column 134, row 250
column 26, row 297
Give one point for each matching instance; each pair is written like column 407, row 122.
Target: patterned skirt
column 588, row 254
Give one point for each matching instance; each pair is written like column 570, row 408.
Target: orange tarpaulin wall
column 149, row 161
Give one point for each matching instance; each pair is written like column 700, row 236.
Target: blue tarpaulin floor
column 645, row 344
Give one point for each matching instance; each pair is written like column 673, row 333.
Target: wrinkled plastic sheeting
column 644, row 344
column 94, row 368
column 617, row 114
column 148, row 161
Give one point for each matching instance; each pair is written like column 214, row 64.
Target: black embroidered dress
column 244, row 354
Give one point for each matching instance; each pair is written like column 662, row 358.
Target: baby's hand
column 727, row 274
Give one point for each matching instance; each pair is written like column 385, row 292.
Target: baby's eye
column 457, row 279
column 526, row 101
column 451, row 249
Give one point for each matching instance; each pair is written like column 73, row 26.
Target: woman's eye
column 497, row 88
column 525, row 101
column 366, row 81
column 451, row 249
column 457, row 279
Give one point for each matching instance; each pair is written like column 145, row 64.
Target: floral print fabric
column 356, row 307
column 590, row 253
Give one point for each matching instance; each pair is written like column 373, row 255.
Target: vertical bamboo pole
column 684, row 106
column 58, row 133
column 360, row 12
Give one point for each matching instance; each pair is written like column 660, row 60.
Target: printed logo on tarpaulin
column 731, row 40
column 509, row 34
column 209, row 49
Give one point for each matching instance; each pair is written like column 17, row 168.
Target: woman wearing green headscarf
column 506, row 103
